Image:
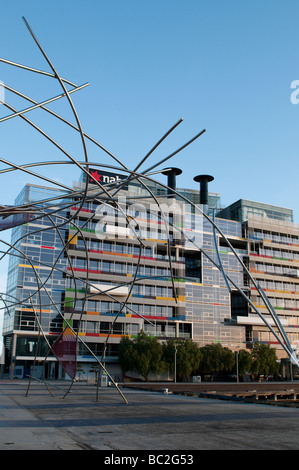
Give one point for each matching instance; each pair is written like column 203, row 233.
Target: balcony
column 113, row 290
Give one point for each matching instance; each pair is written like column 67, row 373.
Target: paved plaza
column 150, row 421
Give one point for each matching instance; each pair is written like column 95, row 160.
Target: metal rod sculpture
column 105, row 196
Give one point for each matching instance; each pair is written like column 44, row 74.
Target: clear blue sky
column 226, row 66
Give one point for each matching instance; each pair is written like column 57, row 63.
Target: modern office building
column 151, row 263
column 183, row 298
column 273, row 263
column 37, row 260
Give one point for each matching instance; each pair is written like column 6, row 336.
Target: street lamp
column 237, row 365
column 175, row 351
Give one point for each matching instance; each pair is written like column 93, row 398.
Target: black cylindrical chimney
column 171, row 177
column 203, row 180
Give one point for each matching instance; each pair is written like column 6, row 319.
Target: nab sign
column 104, row 177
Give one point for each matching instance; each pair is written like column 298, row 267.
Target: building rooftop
column 243, row 208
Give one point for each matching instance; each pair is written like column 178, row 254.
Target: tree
column 187, row 357
column 126, row 354
column 143, row 355
column 244, row 361
column 264, row 360
column 216, row 358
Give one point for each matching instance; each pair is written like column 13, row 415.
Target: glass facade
column 242, row 209
column 36, row 261
column 151, row 265
column 273, row 262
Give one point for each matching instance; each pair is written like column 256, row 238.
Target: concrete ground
column 151, row 421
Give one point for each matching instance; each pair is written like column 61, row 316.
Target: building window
column 193, row 265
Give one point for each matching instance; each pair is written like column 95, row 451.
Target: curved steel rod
column 157, row 144
column 30, row 69
column 39, row 105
